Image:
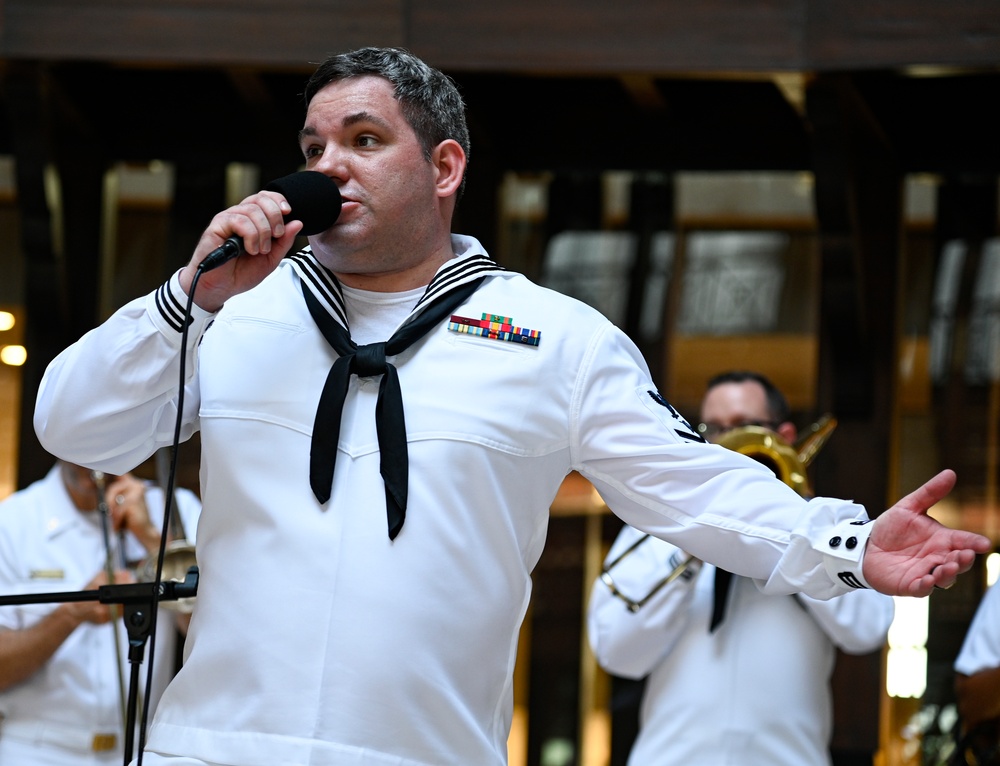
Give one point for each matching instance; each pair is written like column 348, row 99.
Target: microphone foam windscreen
column 314, row 197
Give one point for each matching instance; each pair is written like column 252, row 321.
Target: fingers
column 942, row 576
column 126, row 499
column 931, row 492
column 972, row 542
column 127, row 502
column 94, row 611
column 921, row 587
column 257, row 220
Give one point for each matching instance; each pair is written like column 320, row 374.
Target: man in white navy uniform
column 60, row 688
column 735, row 676
column 327, row 630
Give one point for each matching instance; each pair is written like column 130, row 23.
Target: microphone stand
column 138, row 601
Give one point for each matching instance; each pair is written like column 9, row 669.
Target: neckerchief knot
column 368, row 361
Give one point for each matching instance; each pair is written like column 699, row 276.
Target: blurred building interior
column 805, row 189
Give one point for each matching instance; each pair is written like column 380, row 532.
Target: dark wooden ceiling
column 557, row 36
column 942, row 124
column 583, row 85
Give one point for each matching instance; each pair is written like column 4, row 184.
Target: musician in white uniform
column 60, row 689
column 327, row 631
column 977, row 673
column 735, row 676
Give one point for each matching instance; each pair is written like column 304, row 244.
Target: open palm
column 909, row 553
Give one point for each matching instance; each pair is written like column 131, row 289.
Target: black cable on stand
column 168, row 492
column 315, row 201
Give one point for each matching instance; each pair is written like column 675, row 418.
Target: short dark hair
column 777, row 405
column 429, row 99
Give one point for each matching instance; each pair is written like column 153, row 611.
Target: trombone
column 100, row 487
column 179, row 554
column 788, row 462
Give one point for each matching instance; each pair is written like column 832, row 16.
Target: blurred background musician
column 977, row 683
column 63, row 667
column 734, row 676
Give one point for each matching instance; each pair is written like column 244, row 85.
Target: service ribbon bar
column 495, row 327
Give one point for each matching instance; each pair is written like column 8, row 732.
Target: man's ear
column 448, row 158
column 787, row 431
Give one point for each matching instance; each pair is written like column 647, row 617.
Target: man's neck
column 394, row 282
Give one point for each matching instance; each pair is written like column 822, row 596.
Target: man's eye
column 367, row 141
column 312, row 151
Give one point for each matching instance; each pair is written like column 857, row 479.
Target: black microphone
column 315, row 200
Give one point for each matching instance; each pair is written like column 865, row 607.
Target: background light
column 15, row 356
column 906, row 661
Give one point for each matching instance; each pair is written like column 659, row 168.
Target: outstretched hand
column 909, row 553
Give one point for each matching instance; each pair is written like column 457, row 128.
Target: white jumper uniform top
column 755, row 692
column 981, row 647
column 316, row 639
column 69, row 712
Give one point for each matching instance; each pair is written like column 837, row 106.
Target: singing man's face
column 356, row 134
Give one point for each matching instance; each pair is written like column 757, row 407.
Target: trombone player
column 62, row 666
column 732, row 675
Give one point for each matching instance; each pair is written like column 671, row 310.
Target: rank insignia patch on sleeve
column 495, row 327
column 681, row 427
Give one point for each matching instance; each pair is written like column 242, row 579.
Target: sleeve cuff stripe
column 170, row 307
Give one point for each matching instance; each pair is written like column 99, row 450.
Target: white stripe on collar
column 326, row 287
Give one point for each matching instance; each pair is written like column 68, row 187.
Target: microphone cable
column 168, row 491
column 316, row 201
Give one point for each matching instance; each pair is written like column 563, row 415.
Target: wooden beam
column 224, row 32
column 858, row 194
column 46, row 303
column 558, row 36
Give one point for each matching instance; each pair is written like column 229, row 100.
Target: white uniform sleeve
column 856, row 622
column 981, row 648
column 134, row 357
column 658, row 475
column 631, row 643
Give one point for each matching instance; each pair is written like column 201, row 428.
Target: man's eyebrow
column 352, row 119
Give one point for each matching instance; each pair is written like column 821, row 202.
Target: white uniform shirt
column 753, row 693
column 317, row 640
column 48, row 546
column 981, row 647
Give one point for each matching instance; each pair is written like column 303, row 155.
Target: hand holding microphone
column 308, row 197
column 314, row 200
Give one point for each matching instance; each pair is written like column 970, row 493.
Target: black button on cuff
column 852, row 543
column 835, row 541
